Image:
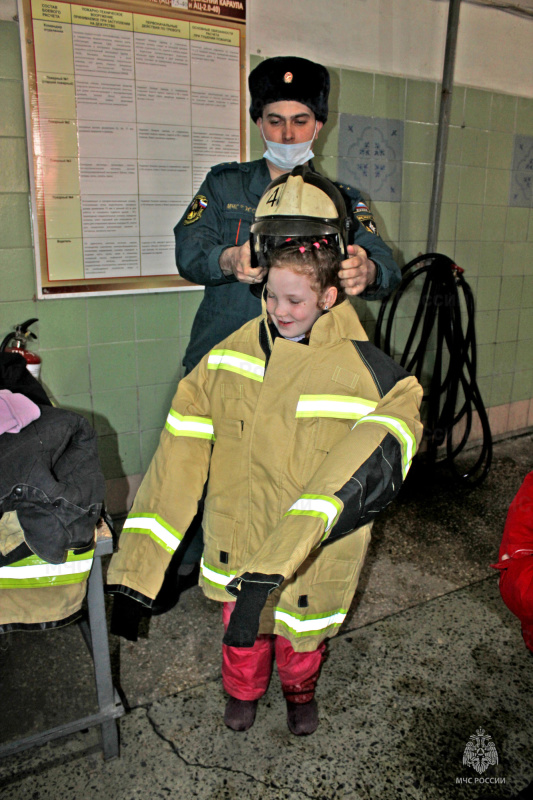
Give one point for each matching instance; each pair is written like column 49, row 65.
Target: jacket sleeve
column 168, row 497
column 359, row 477
column 366, row 236
column 200, row 236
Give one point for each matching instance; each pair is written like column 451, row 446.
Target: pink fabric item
column 246, row 671
column 16, row 411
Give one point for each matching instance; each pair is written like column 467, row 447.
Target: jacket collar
column 340, row 322
column 260, row 177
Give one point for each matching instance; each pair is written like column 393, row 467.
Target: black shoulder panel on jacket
column 370, row 489
column 385, row 372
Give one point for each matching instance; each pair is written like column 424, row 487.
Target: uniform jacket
column 51, row 491
column 516, row 580
column 304, row 445
column 230, row 194
column 51, row 477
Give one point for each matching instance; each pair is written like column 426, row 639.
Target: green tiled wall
column 117, row 359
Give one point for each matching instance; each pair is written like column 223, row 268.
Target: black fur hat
column 289, row 78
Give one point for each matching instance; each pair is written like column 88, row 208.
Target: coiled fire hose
column 452, row 394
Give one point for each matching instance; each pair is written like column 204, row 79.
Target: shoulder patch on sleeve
column 384, row 370
column 196, row 209
column 360, row 210
column 364, row 215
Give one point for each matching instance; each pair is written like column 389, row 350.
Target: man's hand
column 237, row 261
column 357, row 272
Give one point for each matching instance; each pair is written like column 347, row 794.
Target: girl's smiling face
column 292, row 303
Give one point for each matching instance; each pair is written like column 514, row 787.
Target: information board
column 128, row 107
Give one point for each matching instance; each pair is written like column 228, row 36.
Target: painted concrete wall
column 399, row 37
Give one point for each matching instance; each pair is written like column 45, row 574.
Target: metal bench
column 94, row 630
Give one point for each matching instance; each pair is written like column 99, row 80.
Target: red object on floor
column 516, row 572
column 246, row 671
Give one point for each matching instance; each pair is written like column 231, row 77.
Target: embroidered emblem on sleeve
column 366, row 219
column 196, row 209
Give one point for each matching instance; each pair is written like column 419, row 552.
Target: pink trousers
column 246, row 671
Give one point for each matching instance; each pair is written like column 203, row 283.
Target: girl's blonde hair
column 318, row 259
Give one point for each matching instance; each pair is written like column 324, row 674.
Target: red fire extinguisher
column 17, row 342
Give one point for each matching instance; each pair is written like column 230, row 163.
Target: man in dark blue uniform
column 289, row 104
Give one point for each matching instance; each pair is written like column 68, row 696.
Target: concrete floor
column 428, row 655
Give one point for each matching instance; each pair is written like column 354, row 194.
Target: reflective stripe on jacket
column 37, row 595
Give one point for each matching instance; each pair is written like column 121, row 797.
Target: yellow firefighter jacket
column 302, row 446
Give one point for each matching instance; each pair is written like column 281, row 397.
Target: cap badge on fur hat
column 287, row 78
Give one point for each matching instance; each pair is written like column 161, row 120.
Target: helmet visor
column 262, row 245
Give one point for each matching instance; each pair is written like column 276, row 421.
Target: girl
column 302, row 283
column 307, row 431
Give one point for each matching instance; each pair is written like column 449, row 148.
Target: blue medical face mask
column 288, row 156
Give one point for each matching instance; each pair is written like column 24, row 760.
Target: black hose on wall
column 444, row 293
